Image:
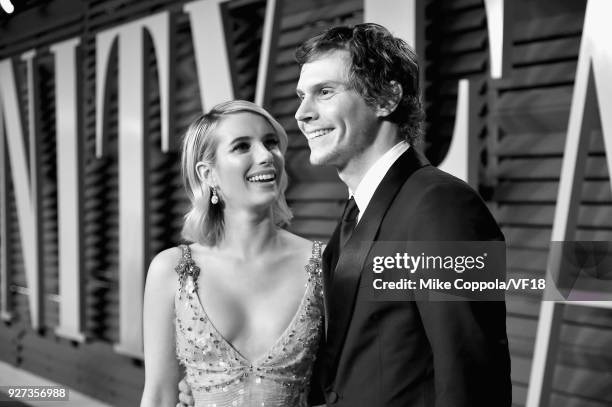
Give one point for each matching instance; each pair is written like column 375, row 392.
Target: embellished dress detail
column 219, row 375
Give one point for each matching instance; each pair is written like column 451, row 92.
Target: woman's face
column 249, row 162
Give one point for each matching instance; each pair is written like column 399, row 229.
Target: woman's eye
column 272, row 143
column 240, row 147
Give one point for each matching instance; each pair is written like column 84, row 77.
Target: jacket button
column 332, row 397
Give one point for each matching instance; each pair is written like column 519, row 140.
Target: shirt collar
column 366, row 188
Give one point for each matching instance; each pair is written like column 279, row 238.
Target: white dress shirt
column 366, row 188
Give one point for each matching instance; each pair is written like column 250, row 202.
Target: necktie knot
column 351, row 211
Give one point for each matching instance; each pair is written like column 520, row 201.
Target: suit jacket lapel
column 340, row 297
column 330, row 258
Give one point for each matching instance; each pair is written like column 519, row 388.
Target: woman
column 236, row 306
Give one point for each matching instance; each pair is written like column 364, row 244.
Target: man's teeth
column 319, row 133
column 262, row 178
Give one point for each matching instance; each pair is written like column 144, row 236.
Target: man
column 361, row 113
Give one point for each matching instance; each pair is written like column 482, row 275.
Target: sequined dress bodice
column 219, row 375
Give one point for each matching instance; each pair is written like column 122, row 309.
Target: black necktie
column 349, row 220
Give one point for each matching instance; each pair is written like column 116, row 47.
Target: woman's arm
column 161, row 365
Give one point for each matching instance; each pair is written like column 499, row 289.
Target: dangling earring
column 214, row 199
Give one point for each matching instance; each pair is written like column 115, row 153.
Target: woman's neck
column 247, row 234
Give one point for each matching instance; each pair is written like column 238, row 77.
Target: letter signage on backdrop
column 591, row 100
column 69, row 205
column 132, row 123
column 210, row 49
column 25, row 184
column 7, row 6
column 403, row 18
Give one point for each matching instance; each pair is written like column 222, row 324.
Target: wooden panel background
column 521, row 126
column 529, row 115
column 94, row 368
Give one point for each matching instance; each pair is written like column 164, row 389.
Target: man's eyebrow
column 332, row 83
column 320, row 85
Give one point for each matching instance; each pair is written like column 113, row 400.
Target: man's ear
column 205, row 173
column 388, row 105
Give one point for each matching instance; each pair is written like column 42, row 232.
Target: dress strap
column 313, row 268
column 316, row 250
column 187, row 267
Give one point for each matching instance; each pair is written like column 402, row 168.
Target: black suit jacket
column 411, row 353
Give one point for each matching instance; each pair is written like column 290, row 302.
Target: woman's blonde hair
column 204, row 222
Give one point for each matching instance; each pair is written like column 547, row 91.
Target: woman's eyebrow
column 239, row 139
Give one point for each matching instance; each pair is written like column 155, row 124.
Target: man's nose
column 305, row 111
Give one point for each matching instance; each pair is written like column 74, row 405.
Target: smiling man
column 360, row 110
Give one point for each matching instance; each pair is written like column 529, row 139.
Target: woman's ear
column 205, row 173
column 388, row 105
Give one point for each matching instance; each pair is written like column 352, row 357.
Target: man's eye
column 326, row 92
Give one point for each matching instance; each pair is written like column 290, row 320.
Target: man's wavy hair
column 377, row 59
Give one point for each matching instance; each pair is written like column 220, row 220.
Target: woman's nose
column 262, row 153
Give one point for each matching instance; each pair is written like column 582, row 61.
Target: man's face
column 335, row 119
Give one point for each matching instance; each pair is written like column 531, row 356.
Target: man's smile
column 317, row 133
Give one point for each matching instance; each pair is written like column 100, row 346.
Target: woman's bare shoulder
column 163, row 264
column 300, row 244
column 296, row 242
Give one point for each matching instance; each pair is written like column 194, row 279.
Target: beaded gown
column 219, row 375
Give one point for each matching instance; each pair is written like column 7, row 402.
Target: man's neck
column 352, row 174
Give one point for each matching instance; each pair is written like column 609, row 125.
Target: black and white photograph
column 283, row 203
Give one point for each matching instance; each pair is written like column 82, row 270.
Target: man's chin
column 319, row 159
